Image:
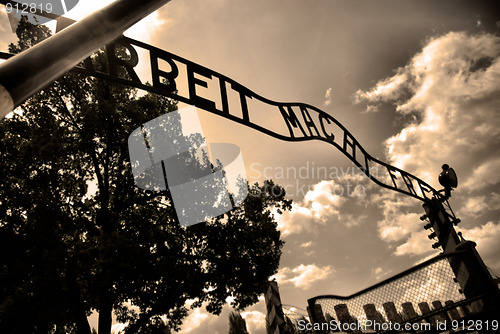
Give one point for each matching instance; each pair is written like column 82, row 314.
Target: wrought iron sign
column 185, row 81
column 188, row 82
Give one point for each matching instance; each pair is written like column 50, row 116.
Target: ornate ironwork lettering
column 312, row 124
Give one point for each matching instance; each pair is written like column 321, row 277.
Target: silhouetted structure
column 425, row 298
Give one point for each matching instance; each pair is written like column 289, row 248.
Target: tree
column 65, row 251
column 237, row 324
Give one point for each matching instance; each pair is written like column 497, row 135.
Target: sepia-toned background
column 416, row 82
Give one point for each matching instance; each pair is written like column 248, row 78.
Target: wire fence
column 427, row 293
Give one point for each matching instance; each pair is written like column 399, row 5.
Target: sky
column 416, row 82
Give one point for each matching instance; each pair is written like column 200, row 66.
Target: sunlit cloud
column 486, row 236
column 475, row 206
column 484, row 175
column 194, row 320
column 320, row 204
column 399, row 221
column 371, row 108
column 303, row 276
column 452, row 87
column 417, row 244
column 199, row 321
column 387, row 89
column 147, row 28
column 255, row 320
column 328, row 97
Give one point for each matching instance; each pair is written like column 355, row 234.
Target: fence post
column 391, row 313
column 373, row 315
column 316, row 316
column 344, row 317
column 275, row 315
column 408, row 311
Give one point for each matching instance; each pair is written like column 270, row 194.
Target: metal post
column 470, row 271
column 30, row 71
column 275, row 314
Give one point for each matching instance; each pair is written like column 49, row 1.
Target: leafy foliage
column 77, row 235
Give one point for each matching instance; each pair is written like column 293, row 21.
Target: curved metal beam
column 303, row 121
column 30, row 71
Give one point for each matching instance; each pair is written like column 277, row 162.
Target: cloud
column 309, row 274
column 199, row 321
column 328, row 97
column 323, row 199
column 417, row 244
column 428, row 257
column 486, row 236
column 371, row 108
column 387, row 89
column 146, row 29
column 297, row 220
column 399, row 227
column 484, row 175
column 319, row 204
column 303, row 276
column 452, row 91
column 398, row 221
column 255, row 320
column 475, row 206
column 194, row 320
column 494, row 201
column 452, row 87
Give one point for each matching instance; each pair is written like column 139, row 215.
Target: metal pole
column 275, row 315
column 30, row 71
column 470, row 271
